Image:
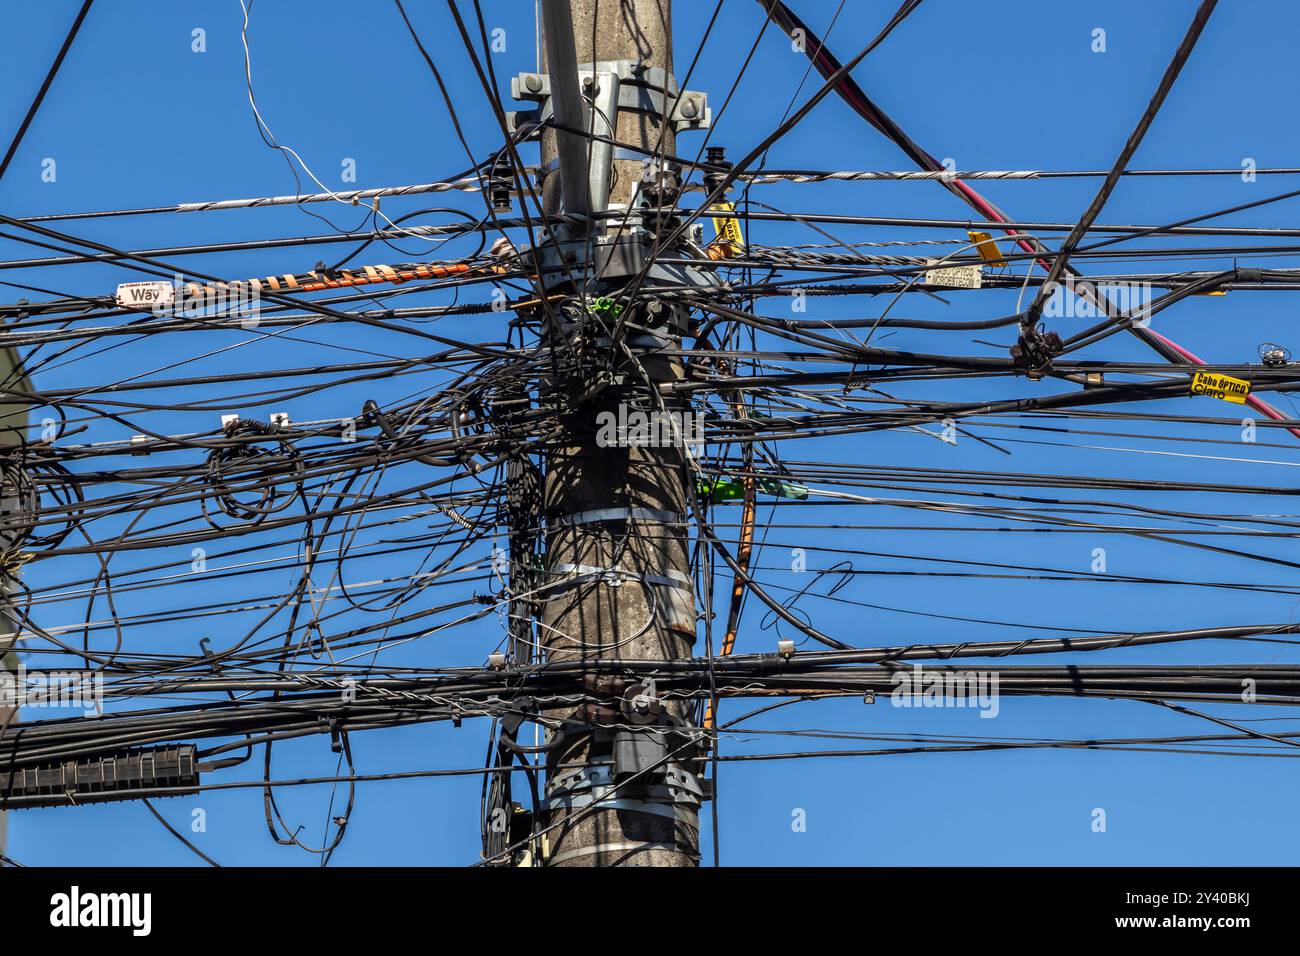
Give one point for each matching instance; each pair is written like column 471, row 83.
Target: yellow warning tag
column 1223, row 387
column 727, row 228
column 988, row 249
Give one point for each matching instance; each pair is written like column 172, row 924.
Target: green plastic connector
column 605, row 307
column 725, row 488
column 782, row 489
column 719, row 489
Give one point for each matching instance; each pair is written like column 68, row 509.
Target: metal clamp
column 617, row 514
column 641, row 89
column 614, row 577
column 590, row 784
column 617, row 848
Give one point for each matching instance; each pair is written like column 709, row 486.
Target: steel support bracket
column 641, row 89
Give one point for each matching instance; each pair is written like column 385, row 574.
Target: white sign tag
column 145, row 295
column 955, row 277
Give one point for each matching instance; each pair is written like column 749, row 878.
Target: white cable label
column 955, row 277
column 145, row 295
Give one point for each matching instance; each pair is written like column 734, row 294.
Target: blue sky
column 137, row 118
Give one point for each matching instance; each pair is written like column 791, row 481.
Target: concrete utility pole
column 13, row 428
column 615, row 513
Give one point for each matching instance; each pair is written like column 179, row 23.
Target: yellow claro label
column 727, row 227
column 1223, row 387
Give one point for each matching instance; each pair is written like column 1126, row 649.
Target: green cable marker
column 605, row 307
column 725, row 488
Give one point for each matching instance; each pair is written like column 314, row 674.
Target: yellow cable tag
column 988, row 249
column 727, row 228
column 1223, row 387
